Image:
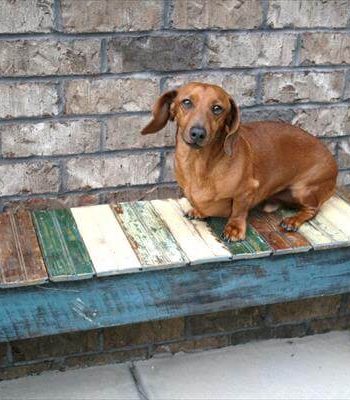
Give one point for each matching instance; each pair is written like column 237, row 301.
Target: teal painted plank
column 64, row 251
column 152, row 241
column 170, row 293
column 252, row 247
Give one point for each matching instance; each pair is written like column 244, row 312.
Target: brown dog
column 225, row 168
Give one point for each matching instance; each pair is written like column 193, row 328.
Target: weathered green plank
column 252, row 247
column 151, row 239
column 64, row 251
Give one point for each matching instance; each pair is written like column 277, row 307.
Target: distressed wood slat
column 106, row 243
column 266, row 227
column 337, row 211
column 253, row 246
column 152, row 241
column 21, row 263
column 195, row 248
column 298, row 242
column 217, row 246
column 64, row 251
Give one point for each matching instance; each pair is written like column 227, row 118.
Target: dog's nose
column 197, row 134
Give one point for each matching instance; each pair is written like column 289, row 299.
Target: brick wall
column 194, row 333
column 78, row 79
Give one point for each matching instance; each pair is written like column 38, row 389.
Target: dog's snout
column 197, row 134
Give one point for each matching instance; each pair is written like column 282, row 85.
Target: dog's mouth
column 193, row 145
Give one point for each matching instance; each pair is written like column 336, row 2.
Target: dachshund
column 225, row 167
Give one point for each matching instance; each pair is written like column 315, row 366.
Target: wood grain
column 337, row 212
column 21, row 263
column 107, row 245
column 64, row 252
column 253, row 246
column 152, row 241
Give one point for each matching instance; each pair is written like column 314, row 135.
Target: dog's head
column 204, row 114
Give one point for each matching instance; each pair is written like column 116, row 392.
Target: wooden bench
column 93, row 267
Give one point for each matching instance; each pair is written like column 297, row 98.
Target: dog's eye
column 187, row 103
column 217, row 109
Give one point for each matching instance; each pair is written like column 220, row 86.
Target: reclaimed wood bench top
column 104, row 240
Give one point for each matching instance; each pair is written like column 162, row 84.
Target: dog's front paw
column 290, row 224
column 194, row 214
column 233, row 232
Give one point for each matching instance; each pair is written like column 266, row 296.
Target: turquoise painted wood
column 81, row 305
column 64, row 252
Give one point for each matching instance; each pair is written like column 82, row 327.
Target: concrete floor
column 315, row 367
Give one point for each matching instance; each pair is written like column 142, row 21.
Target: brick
column 28, row 178
column 267, row 114
column 297, row 311
column 308, row 14
column 143, row 333
column 25, row 16
column 335, row 48
column 50, row 138
column 330, row 324
column 111, row 16
column 110, row 95
column 28, row 100
column 29, row 369
column 124, row 132
column 241, row 86
column 217, row 14
column 81, row 361
column 188, row 346
column 3, row 354
column 331, row 145
column 93, row 172
column 168, row 171
column 54, row 346
column 250, row 49
column 159, row 53
column 344, row 153
column 343, row 178
column 325, row 122
column 47, row 57
column 226, row 321
column 301, row 87
column 150, row 193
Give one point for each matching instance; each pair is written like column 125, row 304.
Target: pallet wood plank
column 195, row 248
column 337, row 211
column 64, row 251
column 266, row 227
column 109, row 249
column 21, row 263
column 152, row 241
column 217, row 246
column 253, row 246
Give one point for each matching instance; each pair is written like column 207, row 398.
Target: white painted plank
column 318, row 239
column 184, row 232
column 337, row 212
column 109, row 249
column 217, row 247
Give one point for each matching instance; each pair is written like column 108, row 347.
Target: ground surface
column 315, row 367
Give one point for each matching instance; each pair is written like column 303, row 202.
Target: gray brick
column 47, row 57
column 344, row 153
column 111, row 15
column 24, row 16
column 288, row 87
column 124, row 132
column 343, row 178
column 250, row 49
column 267, row 114
column 241, row 86
column 333, row 121
column 110, row 95
column 168, row 173
column 335, row 48
column 50, row 138
column 132, row 169
column 160, row 53
column 28, row 99
column 221, row 14
column 308, row 14
column 27, row 178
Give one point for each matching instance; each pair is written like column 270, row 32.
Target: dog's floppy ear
column 232, row 125
column 161, row 113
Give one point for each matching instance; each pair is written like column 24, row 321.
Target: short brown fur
column 237, row 166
